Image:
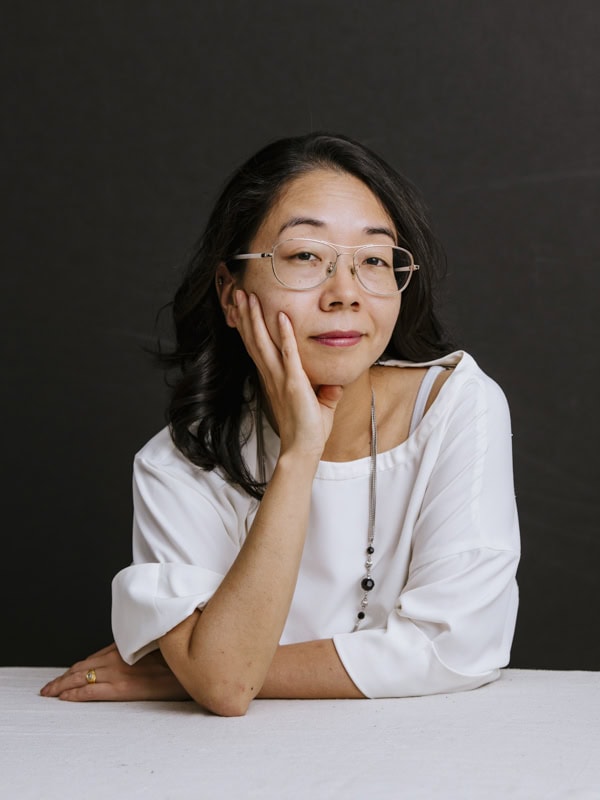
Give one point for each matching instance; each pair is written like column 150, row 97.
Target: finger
column 161, row 686
column 268, row 347
column 53, row 687
column 292, row 363
column 242, row 318
column 289, row 345
column 90, row 692
column 58, row 685
column 115, row 687
column 256, row 336
column 72, row 679
column 75, row 676
column 329, row 395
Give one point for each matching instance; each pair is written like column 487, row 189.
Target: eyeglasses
column 301, row 264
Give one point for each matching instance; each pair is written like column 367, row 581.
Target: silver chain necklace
column 367, row 583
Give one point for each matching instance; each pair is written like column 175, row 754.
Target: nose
column 342, row 287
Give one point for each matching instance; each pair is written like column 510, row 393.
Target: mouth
column 339, row 338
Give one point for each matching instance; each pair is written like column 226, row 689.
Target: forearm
column 308, row 670
column 222, row 656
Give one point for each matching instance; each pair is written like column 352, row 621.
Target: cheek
column 397, row 312
column 388, row 316
column 271, row 304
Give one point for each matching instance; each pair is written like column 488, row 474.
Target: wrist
column 299, row 462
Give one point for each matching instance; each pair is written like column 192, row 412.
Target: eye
column 376, row 261
column 302, row 258
column 305, row 256
column 303, row 253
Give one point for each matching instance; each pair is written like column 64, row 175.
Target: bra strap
column 422, row 396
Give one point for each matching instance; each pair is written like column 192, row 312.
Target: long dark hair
column 207, row 403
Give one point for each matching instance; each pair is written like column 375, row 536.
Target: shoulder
column 460, row 368
column 468, row 380
column 463, row 387
column 159, row 449
column 472, row 407
column 161, row 454
column 160, row 461
column 161, row 470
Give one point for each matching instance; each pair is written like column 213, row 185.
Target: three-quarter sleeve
column 186, row 534
column 452, row 625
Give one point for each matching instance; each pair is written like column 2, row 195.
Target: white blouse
column 442, row 614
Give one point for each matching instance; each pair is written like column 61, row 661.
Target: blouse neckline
column 410, row 447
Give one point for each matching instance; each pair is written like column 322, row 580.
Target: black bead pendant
column 370, row 550
column 367, row 584
column 361, row 615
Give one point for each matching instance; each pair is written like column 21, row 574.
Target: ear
column 226, row 285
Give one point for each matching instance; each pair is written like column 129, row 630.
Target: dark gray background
column 121, row 121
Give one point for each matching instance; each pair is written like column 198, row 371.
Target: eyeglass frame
column 355, row 270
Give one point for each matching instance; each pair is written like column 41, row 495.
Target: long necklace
column 367, row 583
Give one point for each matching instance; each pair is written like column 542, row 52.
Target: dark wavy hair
column 208, row 402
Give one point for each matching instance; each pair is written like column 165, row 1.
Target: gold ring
column 91, row 676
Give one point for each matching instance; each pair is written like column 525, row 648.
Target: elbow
column 224, row 700
column 228, row 709
column 211, row 677
column 225, row 705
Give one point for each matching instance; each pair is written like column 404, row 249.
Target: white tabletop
column 533, row 734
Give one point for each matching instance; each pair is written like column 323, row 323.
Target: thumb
column 330, row 396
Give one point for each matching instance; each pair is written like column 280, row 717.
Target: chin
column 337, row 367
column 333, row 376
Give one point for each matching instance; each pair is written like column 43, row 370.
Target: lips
column 339, row 338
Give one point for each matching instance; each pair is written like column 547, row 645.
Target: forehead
column 335, row 201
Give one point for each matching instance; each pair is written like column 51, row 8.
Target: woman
column 331, row 512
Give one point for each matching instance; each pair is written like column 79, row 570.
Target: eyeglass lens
column 304, row 264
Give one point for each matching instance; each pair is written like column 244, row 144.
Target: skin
column 318, row 394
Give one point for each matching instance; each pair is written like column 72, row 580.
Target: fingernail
column 252, row 300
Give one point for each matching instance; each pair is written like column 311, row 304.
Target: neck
column 350, row 436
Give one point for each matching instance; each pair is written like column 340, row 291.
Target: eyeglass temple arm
column 407, row 269
column 246, row 256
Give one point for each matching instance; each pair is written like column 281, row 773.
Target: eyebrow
column 385, row 231
column 318, row 223
column 294, row 221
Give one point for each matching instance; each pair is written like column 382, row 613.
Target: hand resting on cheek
column 303, row 415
